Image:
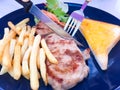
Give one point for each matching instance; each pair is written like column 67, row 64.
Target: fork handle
column 85, row 4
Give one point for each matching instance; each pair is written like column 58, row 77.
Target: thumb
column 25, row 0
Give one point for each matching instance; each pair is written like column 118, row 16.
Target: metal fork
column 75, row 20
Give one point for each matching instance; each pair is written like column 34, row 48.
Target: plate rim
column 68, row 3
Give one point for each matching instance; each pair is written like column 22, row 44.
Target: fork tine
column 75, row 22
column 70, row 25
column 67, row 24
column 76, row 28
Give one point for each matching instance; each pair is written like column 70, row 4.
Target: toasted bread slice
column 101, row 38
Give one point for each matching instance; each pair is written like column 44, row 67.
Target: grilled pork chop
column 71, row 68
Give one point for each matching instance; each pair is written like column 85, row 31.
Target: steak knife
column 34, row 10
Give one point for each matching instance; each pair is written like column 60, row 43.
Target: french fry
column 29, row 28
column 38, row 63
column 14, row 28
column 21, row 48
column 11, row 72
column 43, row 65
column 11, row 25
column 34, row 79
column 12, row 47
column 3, row 70
column 23, row 23
column 38, row 60
column 6, row 57
column 6, row 31
column 6, row 60
column 21, row 36
column 28, row 31
column 25, row 65
column 31, row 36
column 17, row 62
column 5, row 41
column 49, row 55
column 18, row 30
column 24, row 46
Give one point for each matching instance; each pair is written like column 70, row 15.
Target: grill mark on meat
column 76, row 54
column 54, row 51
column 71, row 67
column 62, row 49
column 42, row 28
column 51, row 74
column 63, row 42
column 67, row 67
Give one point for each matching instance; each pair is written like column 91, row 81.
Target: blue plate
column 96, row 80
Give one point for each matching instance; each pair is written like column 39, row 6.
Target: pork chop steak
column 71, row 67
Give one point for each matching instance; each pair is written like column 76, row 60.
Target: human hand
column 25, row 0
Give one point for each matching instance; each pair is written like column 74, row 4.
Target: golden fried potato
column 5, row 41
column 25, row 63
column 49, row 55
column 12, row 47
column 6, row 60
column 43, row 65
column 24, row 46
column 34, row 79
column 31, row 37
column 17, row 62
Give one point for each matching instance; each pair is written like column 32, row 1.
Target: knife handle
column 27, row 5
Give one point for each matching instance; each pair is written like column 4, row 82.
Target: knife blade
column 34, row 10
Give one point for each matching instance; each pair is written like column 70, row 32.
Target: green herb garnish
column 53, row 7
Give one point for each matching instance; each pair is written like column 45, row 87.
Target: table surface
column 110, row 6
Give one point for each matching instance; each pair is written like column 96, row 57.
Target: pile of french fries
column 24, row 53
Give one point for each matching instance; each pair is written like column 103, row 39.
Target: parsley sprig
column 53, row 7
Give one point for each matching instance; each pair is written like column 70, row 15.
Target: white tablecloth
column 110, row 6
